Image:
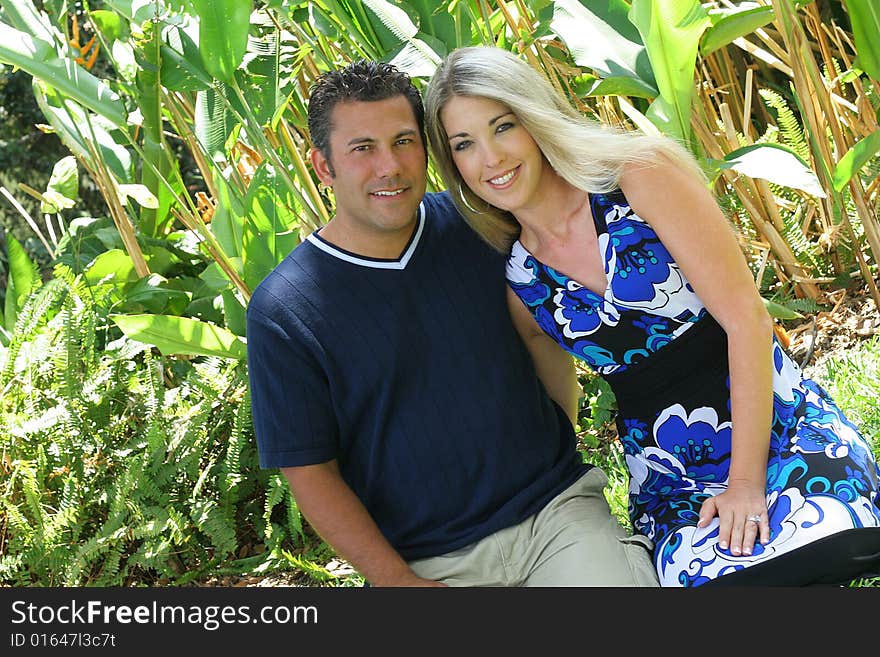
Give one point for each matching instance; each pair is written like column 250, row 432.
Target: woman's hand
column 734, row 508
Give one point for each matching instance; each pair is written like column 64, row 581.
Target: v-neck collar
column 375, row 263
column 519, row 253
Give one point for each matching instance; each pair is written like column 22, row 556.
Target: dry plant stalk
column 820, row 116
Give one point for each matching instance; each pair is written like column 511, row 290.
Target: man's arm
column 554, row 366
column 339, row 517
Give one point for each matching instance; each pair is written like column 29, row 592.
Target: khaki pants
column 573, row 541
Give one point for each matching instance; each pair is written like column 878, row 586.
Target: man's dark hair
column 361, row 80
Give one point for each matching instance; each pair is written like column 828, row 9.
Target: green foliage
column 127, row 465
column 121, row 466
column 597, row 407
column 793, row 133
column 806, row 252
column 804, row 306
column 853, row 379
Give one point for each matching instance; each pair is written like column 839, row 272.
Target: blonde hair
column 587, row 154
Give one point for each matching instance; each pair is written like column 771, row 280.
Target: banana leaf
column 41, row 61
column 173, row 335
column 671, row 33
column 854, row 159
column 601, row 37
column 223, row 35
column 865, row 18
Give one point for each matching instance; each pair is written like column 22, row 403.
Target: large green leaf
column 865, row 18
column 151, row 295
column 113, row 267
column 269, row 229
column 223, row 34
column 234, row 312
column 138, row 11
column 777, row 164
column 63, row 186
column 731, row 24
column 671, row 32
column 180, row 63
column 616, row 86
column 158, row 169
column 779, row 311
column 74, row 126
column 435, row 19
column 110, row 24
column 23, row 275
column 854, row 159
column 69, row 78
column 214, row 122
column 23, row 16
column 600, row 37
column 173, row 335
column 228, row 220
column 416, row 56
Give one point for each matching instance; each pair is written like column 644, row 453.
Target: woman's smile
column 495, row 154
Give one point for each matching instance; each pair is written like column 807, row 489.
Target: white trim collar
column 375, row 263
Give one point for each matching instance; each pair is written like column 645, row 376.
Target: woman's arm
column 690, row 224
column 554, row 365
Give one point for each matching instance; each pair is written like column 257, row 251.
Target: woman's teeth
column 500, row 180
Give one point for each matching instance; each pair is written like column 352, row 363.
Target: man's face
column 376, row 169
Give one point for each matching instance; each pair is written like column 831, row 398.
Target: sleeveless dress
column 665, row 359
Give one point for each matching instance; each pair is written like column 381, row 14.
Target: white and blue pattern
column 822, row 476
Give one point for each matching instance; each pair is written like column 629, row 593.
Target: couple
column 412, row 372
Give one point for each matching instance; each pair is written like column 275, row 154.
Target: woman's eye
column 504, row 126
column 460, row 146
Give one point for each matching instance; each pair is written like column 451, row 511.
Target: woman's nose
column 492, row 156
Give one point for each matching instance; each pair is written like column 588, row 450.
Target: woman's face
column 495, row 154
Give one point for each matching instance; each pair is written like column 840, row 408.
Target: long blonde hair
column 587, row 154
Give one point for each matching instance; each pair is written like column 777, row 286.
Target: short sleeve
column 291, row 403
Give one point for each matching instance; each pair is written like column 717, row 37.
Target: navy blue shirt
column 410, row 373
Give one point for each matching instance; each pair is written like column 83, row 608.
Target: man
column 389, row 384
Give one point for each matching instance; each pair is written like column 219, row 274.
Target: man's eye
column 361, row 148
column 404, row 141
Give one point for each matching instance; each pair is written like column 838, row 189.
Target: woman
column 619, row 255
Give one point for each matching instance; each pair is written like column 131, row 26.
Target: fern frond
column 210, row 519
column 277, row 491
column 13, row 571
column 37, row 305
column 312, row 569
column 805, row 306
column 805, row 251
column 793, row 133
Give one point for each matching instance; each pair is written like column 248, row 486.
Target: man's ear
column 322, row 167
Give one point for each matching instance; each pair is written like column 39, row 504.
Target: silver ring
column 755, row 518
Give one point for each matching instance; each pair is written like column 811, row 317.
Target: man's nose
column 387, row 163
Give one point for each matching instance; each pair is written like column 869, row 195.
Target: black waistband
column 693, row 360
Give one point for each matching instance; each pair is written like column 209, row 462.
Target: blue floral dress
column 665, row 358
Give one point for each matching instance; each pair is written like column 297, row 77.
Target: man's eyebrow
column 409, row 132
column 492, row 121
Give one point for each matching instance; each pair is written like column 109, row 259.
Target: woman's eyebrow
column 492, row 122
